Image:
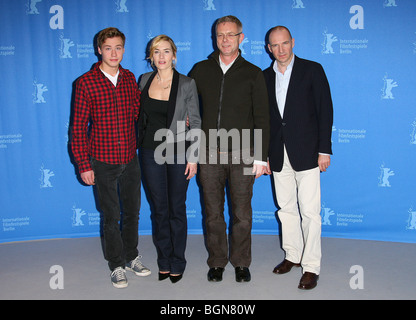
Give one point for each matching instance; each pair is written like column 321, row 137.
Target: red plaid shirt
column 111, row 112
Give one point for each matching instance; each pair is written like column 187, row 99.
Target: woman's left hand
column 190, row 170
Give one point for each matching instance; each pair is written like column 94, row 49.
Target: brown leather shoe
column 285, row 266
column 308, row 281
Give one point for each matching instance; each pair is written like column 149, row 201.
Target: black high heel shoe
column 175, row 278
column 163, row 276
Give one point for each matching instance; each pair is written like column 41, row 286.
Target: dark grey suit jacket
column 183, row 104
column 306, row 126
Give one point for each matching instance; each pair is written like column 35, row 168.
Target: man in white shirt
column 300, row 146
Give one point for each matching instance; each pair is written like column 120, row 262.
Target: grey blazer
column 183, row 104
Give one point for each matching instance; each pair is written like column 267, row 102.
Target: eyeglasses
column 221, row 36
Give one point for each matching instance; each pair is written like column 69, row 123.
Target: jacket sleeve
column 261, row 118
column 323, row 101
column 141, row 121
column 192, row 111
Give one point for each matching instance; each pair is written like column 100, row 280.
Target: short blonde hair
column 156, row 41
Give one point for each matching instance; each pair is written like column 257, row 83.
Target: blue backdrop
column 367, row 48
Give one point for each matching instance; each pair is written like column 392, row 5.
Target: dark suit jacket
column 306, row 126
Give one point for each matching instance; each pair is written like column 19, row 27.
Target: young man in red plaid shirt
column 104, row 147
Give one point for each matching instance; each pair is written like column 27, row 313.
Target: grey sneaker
column 137, row 267
column 118, row 278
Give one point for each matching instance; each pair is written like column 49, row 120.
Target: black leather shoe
column 175, row 278
column 285, row 266
column 215, row 274
column 308, row 281
column 242, row 274
column 163, row 276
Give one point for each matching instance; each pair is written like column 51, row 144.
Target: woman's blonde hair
column 156, row 41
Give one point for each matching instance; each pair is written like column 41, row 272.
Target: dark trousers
column 213, row 177
column 117, row 184
column 166, row 186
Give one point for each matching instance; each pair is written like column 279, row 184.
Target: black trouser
column 166, row 187
column 115, row 184
column 213, row 177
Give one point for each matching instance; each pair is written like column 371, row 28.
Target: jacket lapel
column 145, row 91
column 291, row 90
column 172, row 98
column 272, row 92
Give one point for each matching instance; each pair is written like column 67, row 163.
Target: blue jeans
column 115, row 185
column 166, row 188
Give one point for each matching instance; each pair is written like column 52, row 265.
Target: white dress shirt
column 282, row 84
column 224, row 66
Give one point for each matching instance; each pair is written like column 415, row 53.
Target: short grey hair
column 230, row 19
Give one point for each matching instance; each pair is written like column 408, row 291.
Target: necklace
column 160, row 81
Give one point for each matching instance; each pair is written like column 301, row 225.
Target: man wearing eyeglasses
column 234, row 100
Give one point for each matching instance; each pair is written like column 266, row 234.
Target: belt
column 219, row 150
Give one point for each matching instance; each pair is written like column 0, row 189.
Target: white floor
column 386, row 270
